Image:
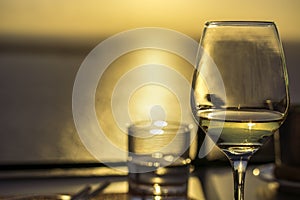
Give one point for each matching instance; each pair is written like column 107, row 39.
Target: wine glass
column 240, row 89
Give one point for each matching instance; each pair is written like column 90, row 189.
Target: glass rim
column 240, row 23
column 145, row 125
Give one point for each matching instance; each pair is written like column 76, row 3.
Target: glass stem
column 239, row 171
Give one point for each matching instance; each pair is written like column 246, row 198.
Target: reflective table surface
column 207, row 182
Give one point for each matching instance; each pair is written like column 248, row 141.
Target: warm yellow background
column 103, row 18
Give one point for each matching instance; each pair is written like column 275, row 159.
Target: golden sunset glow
column 147, row 99
column 102, row 18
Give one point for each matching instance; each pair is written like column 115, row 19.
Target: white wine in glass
column 240, row 89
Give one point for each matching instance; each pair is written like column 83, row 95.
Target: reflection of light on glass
column 156, row 164
column 169, row 158
column 160, row 123
column 256, row 172
column 187, row 161
column 157, row 189
column 161, row 171
column 210, row 115
column 156, row 131
column 157, row 197
column 240, row 167
column 65, row 197
column 157, row 155
column 250, row 125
